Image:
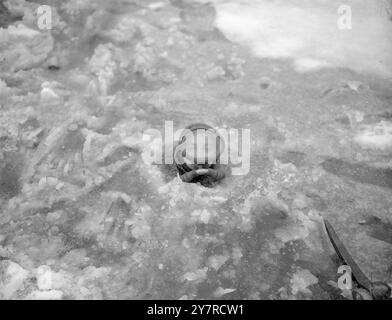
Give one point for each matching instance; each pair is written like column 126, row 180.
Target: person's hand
column 201, row 172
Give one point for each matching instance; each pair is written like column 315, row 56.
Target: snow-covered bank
column 308, row 33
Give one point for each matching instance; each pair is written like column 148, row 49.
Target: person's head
column 200, row 147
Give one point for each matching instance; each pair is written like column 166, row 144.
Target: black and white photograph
column 217, row 151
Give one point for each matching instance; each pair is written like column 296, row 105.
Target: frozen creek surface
column 83, row 216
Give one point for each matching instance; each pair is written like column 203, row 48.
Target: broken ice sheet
column 301, row 280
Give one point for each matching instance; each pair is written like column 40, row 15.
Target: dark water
column 359, row 172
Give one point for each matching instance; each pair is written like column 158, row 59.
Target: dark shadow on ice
column 295, row 157
column 379, row 229
column 10, row 172
column 6, row 18
column 359, row 172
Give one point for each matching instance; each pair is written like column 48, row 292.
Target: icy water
column 84, row 216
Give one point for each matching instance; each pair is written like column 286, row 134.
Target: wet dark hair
column 184, row 167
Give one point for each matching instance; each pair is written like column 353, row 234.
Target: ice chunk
column 291, row 233
column 205, row 216
column 22, row 31
column 12, row 278
column 308, row 33
column 44, row 280
column 354, row 85
column 48, row 279
column 141, row 230
column 156, row 5
column 301, row 280
column 104, row 66
column 45, row 295
column 216, row 262
column 74, row 7
column 221, row 292
column 237, row 254
column 198, row 275
column 300, row 202
column 376, row 137
column 23, row 47
column 47, row 95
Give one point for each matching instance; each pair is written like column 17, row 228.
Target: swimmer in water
column 197, row 156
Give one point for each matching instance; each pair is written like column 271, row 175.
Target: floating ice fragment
column 198, row 275
column 44, row 278
column 377, row 137
column 48, row 279
column 141, row 230
column 13, row 276
column 156, row 5
column 22, row 31
column 196, row 213
column 218, row 199
column 221, row 292
column 24, row 48
column 48, row 95
column 205, row 216
column 301, row 280
column 300, row 202
column 291, row 233
column 216, row 262
column 354, row 85
column 237, row 255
